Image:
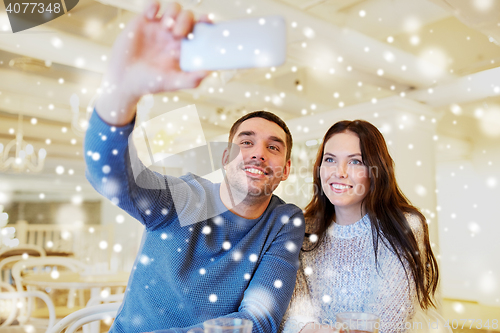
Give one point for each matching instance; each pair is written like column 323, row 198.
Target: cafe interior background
column 424, row 72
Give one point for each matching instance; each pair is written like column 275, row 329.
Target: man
column 240, row 263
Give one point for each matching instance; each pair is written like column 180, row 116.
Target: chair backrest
column 9, row 256
column 16, row 295
column 69, row 263
column 81, row 241
column 30, row 249
column 84, row 316
column 6, row 262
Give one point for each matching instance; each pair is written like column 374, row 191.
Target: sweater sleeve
column 268, row 294
column 145, row 195
column 300, row 310
column 397, row 300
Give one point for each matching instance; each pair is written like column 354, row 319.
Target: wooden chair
column 84, row 316
column 70, row 264
column 14, row 296
column 96, row 327
column 78, row 241
column 8, row 257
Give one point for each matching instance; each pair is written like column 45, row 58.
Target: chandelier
column 23, row 159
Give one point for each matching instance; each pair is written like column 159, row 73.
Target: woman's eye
column 357, row 162
column 328, row 159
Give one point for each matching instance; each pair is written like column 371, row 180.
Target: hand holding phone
column 145, row 60
column 247, row 43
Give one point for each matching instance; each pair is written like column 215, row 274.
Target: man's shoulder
column 279, row 204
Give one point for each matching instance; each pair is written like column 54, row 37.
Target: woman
column 368, row 248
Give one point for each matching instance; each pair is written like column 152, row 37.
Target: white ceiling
column 418, row 45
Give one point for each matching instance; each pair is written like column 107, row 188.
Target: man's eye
column 246, row 143
column 274, row 148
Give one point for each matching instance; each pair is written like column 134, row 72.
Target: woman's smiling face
column 344, row 176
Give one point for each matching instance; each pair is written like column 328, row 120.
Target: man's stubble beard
column 241, row 187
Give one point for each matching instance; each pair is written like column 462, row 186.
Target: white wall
column 469, row 224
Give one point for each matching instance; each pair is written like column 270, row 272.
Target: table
column 75, row 280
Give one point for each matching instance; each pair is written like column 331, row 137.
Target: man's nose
column 259, row 152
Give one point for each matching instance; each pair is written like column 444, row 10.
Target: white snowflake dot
column 115, row 152
column 278, row 284
column 326, row 298
column 104, row 138
column 144, row 260
column 290, row 246
column 246, row 276
column 212, row 298
column 60, row 170
column 308, row 270
column 313, row 238
column 164, row 211
column 297, row 222
column 203, row 271
column 253, row 257
column 226, row 245
column 164, row 236
column 237, row 256
column 206, row 230
column 96, row 156
column 285, row 219
column 218, row 220
column 106, row 169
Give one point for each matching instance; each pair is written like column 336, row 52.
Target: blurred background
column 424, row 72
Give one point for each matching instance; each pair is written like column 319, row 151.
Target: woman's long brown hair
column 385, row 205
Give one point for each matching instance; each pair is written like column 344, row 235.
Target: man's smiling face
column 261, row 163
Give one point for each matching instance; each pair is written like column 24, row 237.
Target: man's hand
column 144, row 60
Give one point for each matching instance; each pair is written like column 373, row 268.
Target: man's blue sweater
column 224, row 266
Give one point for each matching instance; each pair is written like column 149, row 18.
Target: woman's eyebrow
column 352, row 155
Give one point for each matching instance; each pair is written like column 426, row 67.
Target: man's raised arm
column 145, row 60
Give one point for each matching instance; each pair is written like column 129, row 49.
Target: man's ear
column 286, row 170
column 225, row 158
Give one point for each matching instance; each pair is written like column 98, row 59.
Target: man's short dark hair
column 267, row 116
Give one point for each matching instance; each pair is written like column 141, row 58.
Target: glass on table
column 228, row 325
column 357, row 322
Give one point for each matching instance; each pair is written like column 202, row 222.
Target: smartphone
column 246, row 43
